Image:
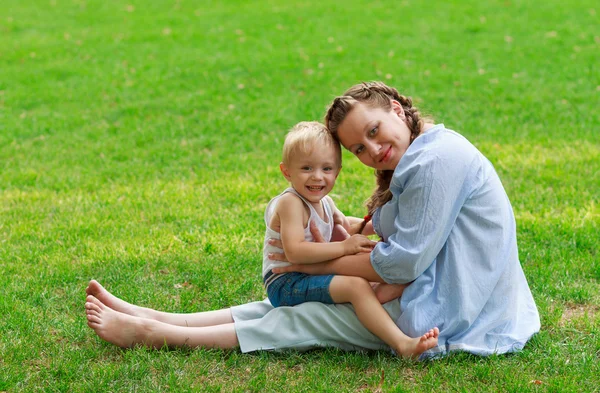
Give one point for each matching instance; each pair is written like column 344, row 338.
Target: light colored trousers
column 259, row 326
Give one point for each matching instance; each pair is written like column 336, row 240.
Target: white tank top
column 325, row 227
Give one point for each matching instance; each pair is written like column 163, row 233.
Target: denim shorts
column 297, row 288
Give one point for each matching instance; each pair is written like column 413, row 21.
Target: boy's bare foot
column 115, row 327
column 96, row 290
column 387, row 292
column 417, row 346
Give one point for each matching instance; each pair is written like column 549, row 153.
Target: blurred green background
column 140, row 142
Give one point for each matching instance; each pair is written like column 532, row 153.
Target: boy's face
column 312, row 175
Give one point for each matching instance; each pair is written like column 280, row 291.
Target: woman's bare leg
column 200, row 319
column 126, row 330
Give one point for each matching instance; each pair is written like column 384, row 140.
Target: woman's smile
column 386, row 155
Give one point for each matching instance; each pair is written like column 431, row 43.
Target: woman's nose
column 373, row 149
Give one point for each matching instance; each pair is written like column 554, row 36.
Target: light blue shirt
column 450, row 228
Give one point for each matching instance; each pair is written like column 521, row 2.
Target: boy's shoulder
column 289, row 200
column 327, row 199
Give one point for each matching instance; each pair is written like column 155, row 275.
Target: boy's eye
column 306, row 168
column 328, row 169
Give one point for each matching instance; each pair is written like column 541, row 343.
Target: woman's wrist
column 331, row 267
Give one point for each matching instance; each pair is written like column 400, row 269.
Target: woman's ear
column 398, row 109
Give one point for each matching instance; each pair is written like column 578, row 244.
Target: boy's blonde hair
column 304, row 136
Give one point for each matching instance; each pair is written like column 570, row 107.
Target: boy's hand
column 358, row 243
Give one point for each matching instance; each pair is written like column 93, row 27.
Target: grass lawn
column 140, row 142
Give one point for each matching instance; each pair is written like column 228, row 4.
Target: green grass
column 140, row 142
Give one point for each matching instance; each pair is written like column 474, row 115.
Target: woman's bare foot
column 417, row 346
column 387, row 292
column 127, row 331
column 115, row 327
column 96, row 290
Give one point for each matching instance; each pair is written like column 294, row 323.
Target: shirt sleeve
column 429, row 192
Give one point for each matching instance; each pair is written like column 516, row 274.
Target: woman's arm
column 350, row 224
column 358, row 265
column 338, row 217
column 355, row 224
column 431, row 187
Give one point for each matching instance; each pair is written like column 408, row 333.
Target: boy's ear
column 284, row 171
column 398, row 109
column 338, row 172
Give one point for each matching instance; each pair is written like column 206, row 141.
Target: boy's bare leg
column 126, row 330
column 356, row 290
column 208, row 318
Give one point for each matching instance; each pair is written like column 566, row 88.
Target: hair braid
column 375, row 95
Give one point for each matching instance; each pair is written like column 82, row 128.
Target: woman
column 447, row 228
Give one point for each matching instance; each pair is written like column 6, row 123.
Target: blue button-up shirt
column 451, row 230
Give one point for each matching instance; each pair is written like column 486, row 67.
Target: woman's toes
column 93, row 318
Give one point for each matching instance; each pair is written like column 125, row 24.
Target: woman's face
column 379, row 138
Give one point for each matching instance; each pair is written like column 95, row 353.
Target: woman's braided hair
column 374, row 95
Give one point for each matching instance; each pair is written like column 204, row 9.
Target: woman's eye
column 373, row 131
column 359, row 150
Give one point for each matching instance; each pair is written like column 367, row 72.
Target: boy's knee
column 348, row 289
column 356, row 283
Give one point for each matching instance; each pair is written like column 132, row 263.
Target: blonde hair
column 304, row 136
column 374, row 95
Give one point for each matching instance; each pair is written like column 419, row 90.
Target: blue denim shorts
column 296, row 288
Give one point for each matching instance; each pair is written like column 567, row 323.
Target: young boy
column 311, row 163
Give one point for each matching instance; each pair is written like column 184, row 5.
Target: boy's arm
column 351, row 265
column 299, row 251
